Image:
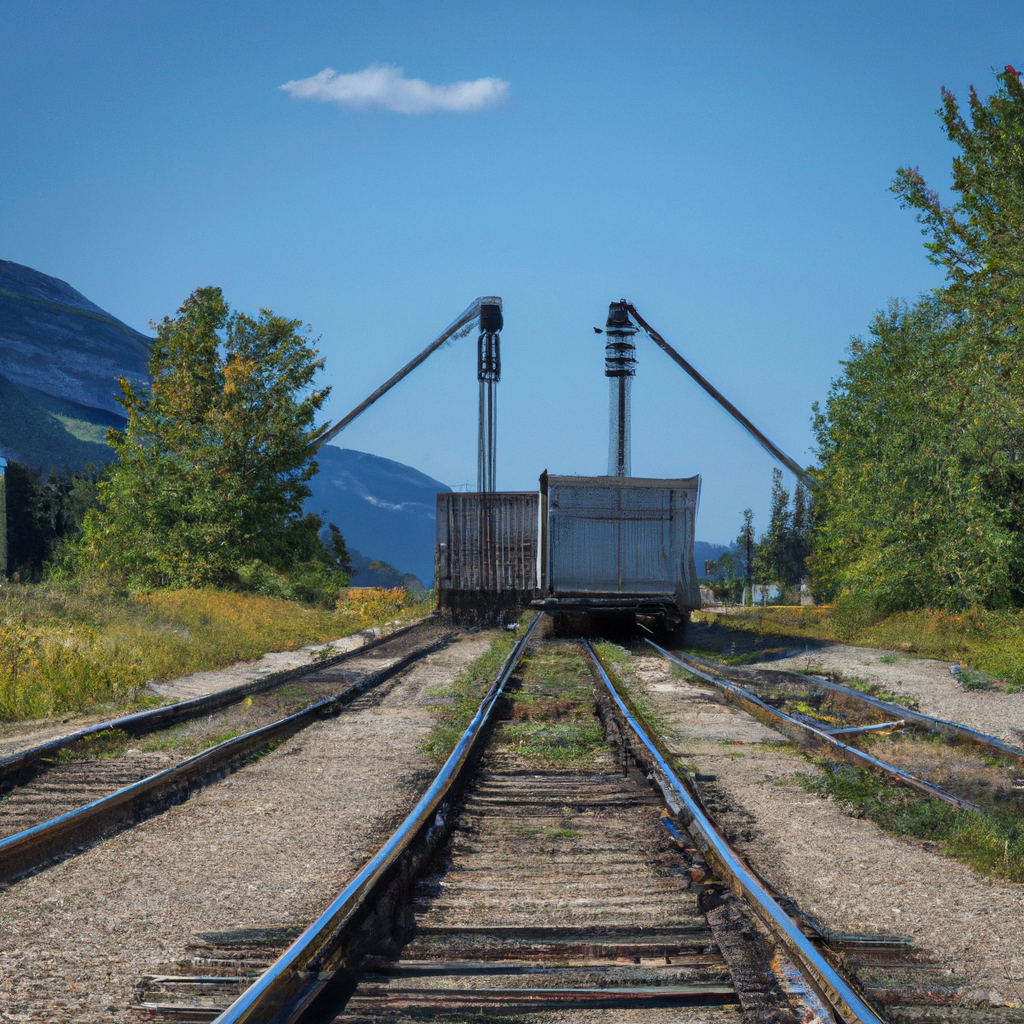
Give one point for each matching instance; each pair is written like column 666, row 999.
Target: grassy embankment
column 992, row 643
column 64, row 653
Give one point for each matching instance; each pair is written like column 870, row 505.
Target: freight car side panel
column 486, row 542
column 611, row 536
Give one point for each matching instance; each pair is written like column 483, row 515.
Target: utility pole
column 748, row 540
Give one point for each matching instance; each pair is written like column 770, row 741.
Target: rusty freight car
column 485, row 556
column 614, row 547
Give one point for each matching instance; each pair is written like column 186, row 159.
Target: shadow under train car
column 598, row 553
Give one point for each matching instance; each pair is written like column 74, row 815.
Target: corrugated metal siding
column 486, row 542
column 610, row 535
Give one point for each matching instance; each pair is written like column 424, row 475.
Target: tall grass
column 992, row 641
column 64, row 652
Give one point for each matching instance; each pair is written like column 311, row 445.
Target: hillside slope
column 384, row 508
column 60, row 360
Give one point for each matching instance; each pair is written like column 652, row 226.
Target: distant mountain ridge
column 60, row 359
column 53, row 339
column 384, row 508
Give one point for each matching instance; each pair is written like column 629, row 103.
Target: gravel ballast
column 269, row 845
column 846, row 872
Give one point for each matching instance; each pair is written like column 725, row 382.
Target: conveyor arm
column 773, row 449
column 471, row 313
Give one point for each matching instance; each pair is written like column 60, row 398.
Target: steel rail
column 843, row 998
column 31, row 849
column 466, row 317
column 289, row 986
column 800, row 732
column 940, row 725
column 773, row 449
column 142, row 723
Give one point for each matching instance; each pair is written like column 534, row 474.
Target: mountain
column 60, row 360
column 382, row 507
column 704, row 551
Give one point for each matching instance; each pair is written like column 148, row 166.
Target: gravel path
column 270, row 845
column 845, row 872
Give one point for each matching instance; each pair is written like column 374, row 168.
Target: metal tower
column 619, row 368
column 488, row 374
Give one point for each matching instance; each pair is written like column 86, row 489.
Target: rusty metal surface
column 620, row 536
column 486, row 542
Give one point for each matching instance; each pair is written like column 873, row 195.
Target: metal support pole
column 619, row 368
column 488, row 374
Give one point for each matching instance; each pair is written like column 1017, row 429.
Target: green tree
column 774, row 560
column 801, row 525
column 44, row 513
column 215, row 457
column 746, row 547
column 921, row 443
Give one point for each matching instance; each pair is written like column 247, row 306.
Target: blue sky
column 724, row 166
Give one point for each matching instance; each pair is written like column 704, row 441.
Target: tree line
column 919, row 496
column 778, row 557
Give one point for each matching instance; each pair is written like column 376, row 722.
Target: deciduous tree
column 214, row 461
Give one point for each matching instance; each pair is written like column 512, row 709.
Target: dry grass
column 992, row 642
column 64, row 652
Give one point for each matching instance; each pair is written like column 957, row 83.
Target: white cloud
column 381, row 85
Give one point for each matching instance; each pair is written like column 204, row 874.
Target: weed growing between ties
column 553, row 717
column 989, row 644
column 463, row 694
column 991, row 843
column 617, row 660
column 63, row 652
column 103, row 745
column 874, row 690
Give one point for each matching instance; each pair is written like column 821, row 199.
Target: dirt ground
column 270, row 845
column 845, row 872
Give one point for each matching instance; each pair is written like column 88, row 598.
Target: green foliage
column 992, row 641
column 63, row 652
column 42, row 514
column 922, row 439
column 782, row 550
column 463, row 695
column 991, row 842
column 214, row 460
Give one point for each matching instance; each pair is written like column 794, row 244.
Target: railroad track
column 978, row 771
column 579, row 877
column 64, row 795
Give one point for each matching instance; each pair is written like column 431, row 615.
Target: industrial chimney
column 619, row 368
